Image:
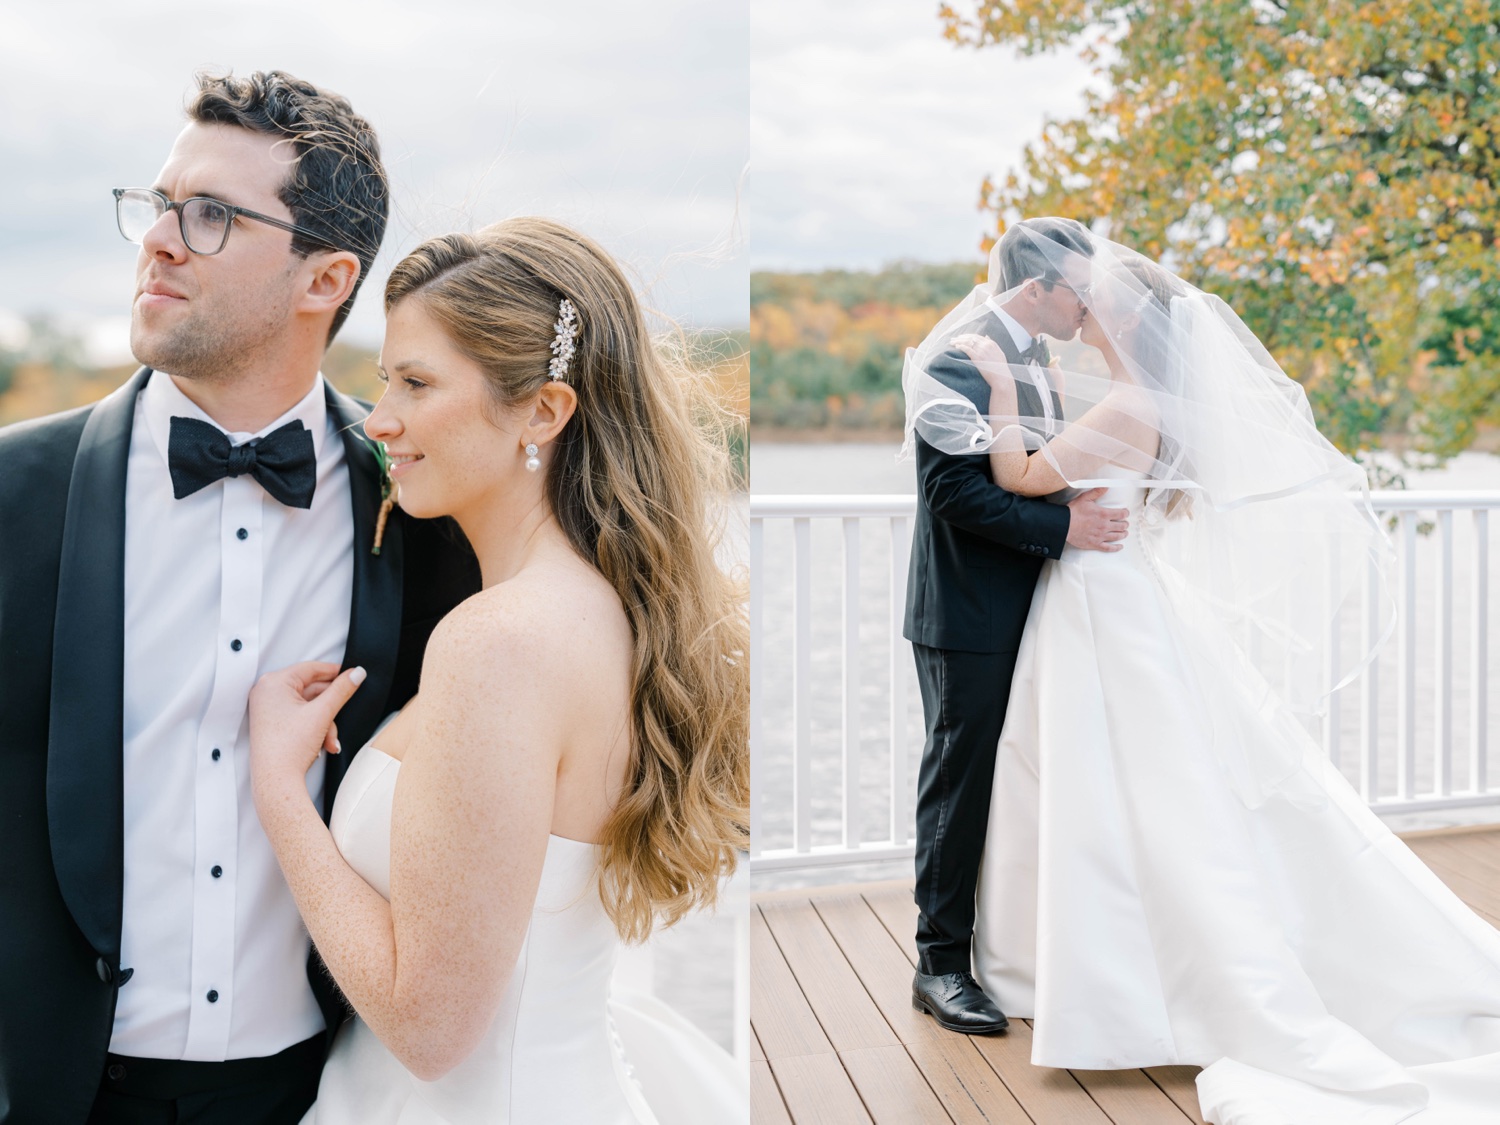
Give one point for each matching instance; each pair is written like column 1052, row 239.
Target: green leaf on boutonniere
column 387, row 492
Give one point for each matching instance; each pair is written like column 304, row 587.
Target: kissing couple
column 1128, row 569
column 219, row 843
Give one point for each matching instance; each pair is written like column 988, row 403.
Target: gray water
column 873, row 469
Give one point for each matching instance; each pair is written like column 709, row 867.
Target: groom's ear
column 330, row 280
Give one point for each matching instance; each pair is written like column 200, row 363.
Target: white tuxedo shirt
column 220, row 587
column 1023, row 340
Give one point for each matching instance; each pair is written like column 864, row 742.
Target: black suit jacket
column 976, row 549
column 62, row 590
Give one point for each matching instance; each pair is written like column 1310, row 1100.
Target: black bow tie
column 283, row 461
column 1037, row 353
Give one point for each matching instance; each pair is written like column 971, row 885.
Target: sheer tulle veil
column 1259, row 529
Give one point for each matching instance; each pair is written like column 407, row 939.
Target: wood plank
column 968, row 1088
column 1452, row 830
column 817, row 1091
column 892, row 1088
column 848, row 1016
column 1477, row 855
column 1129, row 1097
column 756, row 1050
column 766, row 1106
column 1050, row 1096
column 1180, row 1084
column 779, row 1014
column 877, row 960
column 897, row 912
column 967, row 1085
column 1481, row 897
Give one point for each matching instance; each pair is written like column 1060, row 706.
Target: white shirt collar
column 161, row 399
column 1023, row 339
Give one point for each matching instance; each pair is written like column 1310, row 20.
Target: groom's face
column 1062, row 309
column 212, row 316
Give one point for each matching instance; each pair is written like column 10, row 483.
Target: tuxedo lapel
column 375, row 611
column 85, row 740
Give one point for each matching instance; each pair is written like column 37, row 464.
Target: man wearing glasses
column 976, row 554
column 211, row 520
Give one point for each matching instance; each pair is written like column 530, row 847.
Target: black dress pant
column 963, row 701
column 275, row 1090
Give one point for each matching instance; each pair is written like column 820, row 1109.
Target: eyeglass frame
column 235, row 212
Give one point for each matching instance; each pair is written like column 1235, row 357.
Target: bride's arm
column 1074, row 455
column 472, row 811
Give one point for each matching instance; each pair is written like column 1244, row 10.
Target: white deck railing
column 841, row 791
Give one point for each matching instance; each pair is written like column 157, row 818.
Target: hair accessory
column 562, row 344
column 532, row 462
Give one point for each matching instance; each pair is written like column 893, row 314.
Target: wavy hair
column 638, row 481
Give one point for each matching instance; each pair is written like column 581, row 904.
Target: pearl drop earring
column 532, row 461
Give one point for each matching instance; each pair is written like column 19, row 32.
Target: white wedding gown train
column 561, row 1048
column 1144, row 914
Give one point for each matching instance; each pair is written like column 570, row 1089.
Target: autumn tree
column 1328, row 168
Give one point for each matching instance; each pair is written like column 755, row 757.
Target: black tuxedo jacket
column 62, row 589
column 976, row 549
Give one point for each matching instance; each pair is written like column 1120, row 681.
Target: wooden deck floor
column 835, row 1039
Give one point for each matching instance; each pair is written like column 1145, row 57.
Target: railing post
column 802, row 684
column 1479, row 657
column 1443, row 671
column 1369, row 691
column 1406, row 660
column 899, row 660
column 851, row 836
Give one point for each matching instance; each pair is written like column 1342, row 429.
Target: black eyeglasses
column 204, row 222
column 1082, row 292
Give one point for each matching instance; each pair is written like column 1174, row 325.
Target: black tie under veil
column 1260, row 532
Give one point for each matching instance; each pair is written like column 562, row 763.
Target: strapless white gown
column 1143, row 914
column 560, row 1048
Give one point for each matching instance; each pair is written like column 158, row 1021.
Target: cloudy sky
column 870, row 134
column 628, row 120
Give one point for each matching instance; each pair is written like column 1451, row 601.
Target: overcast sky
column 870, row 134
column 629, row 121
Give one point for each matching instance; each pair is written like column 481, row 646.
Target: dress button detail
column 215, row 754
column 106, row 974
column 236, row 644
column 216, row 871
column 213, row 995
column 116, row 1072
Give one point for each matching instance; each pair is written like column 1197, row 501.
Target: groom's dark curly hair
column 1022, row 256
column 336, row 185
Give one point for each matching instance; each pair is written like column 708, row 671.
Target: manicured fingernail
column 337, row 746
column 358, row 676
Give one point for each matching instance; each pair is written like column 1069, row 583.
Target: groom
column 211, row 520
column 976, row 553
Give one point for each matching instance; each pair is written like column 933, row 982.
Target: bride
column 1173, row 871
column 573, row 768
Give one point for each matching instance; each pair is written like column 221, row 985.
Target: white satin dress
column 1143, row 913
column 561, row 1049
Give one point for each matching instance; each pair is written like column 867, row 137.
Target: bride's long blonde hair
column 638, row 480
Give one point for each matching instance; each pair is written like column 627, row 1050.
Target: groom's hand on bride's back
column 1092, row 527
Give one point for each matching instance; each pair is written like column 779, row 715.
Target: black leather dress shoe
column 957, row 1002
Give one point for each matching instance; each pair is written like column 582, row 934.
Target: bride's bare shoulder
column 548, row 623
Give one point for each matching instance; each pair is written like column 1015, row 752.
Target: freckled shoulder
column 540, row 625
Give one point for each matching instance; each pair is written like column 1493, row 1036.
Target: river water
column 853, row 468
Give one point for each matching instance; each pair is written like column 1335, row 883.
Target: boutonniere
column 387, row 492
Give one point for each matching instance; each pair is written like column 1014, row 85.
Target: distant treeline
column 826, row 348
column 49, row 371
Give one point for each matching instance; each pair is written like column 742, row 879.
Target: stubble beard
column 214, row 345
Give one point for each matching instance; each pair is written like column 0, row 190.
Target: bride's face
column 435, row 419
